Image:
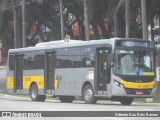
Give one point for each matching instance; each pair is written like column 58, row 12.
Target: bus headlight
column 118, row 84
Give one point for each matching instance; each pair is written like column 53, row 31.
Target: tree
column 107, row 18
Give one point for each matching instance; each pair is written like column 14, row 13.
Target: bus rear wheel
column 126, row 100
column 88, row 95
column 35, row 95
column 66, row 99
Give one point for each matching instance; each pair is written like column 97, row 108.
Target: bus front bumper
column 126, row 92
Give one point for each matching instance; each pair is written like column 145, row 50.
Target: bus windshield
column 129, row 62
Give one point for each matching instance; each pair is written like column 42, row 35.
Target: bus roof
column 71, row 43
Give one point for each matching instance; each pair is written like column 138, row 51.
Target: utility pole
column 145, row 29
column 86, row 20
column 128, row 17
column 23, row 23
column 15, row 25
column 15, row 30
column 61, row 18
column 144, row 20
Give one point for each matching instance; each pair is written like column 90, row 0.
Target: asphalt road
column 11, row 103
column 2, row 78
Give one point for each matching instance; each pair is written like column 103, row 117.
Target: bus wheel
column 42, row 98
column 88, row 95
column 35, row 95
column 66, row 99
column 126, row 100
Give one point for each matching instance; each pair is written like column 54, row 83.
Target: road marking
column 8, row 102
column 13, row 97
column 129, row 107
column 111, row 118
column 147, row 109
column 48, row 108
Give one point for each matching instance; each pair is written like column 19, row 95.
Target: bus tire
column 42, row 98
column 88, row 95
column 126, row 100
column 66, row 99
column 35, row 95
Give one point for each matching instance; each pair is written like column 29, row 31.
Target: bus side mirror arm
column 111, row 60
column 157, row 50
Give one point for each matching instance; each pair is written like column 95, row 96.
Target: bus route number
column 27, row 78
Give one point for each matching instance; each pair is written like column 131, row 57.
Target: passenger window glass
column 62, row 58
column 74, row 57
column 87, row 56
column 11, row 62
column 39, row 60
column 29, row 61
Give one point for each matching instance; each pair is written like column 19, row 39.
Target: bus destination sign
column 136, row 44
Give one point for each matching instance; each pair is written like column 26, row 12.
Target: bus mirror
column 111, row 59
column 158, row 74
column 157, row 50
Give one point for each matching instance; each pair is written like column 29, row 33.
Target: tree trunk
column 116, row 23
column 61, row 18
column 86, row 20
column 144, row 19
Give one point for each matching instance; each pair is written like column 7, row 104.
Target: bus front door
column 49, row 70
column 18, row 73
column 101, row 70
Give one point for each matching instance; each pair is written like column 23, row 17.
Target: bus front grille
column 138, row 91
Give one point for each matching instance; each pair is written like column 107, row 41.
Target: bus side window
column 62, row 58
column 11, row 62
column 87, row 56
column 39, row 61
column 29, row 61
column 74, row 57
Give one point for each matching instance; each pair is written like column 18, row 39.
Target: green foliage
column 45, row 13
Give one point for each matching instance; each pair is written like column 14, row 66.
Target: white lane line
column 8, row 102
column 52, row 109
column 13, row 97
column 111, row 118
column 129, row 107
column 147, row 109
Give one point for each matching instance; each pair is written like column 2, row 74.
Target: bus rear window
column 11, row 62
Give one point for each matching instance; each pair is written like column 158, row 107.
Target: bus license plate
column 139, row 92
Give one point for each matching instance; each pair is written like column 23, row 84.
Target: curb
column 134, row 103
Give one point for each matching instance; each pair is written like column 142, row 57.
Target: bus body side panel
column 9, row 77
column 71, row 80
column 29, row 77
column 10, row 81
column 33, row 76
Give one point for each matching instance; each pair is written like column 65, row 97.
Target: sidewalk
column 3, row 65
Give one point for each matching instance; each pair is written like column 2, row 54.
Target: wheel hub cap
column 88, row 95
